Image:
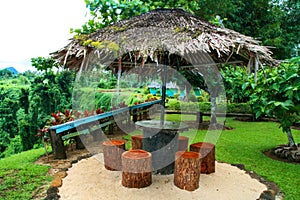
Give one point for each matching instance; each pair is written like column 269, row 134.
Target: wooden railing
column 61, row 132
column 199, row 115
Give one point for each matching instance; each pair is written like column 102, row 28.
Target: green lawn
column 245, row 144
column 20, row 178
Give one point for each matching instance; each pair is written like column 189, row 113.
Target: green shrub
column 204, row 97
column 204, row 106
column 176, row 96
column 191, row 96
column 103, row 100
column 189, row 106
column 14, row 147
column 135, row 98
column 146, row 90
column 239, row 108
column 173, row 104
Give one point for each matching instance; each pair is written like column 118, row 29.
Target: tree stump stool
column 207, row 151
column 183, row 143
column 136, row 168
column 187, row 170
column 112, row 152
column 137, row 142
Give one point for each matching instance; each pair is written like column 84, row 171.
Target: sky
column 33, row 28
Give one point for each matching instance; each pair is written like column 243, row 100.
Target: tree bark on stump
column 137, row 142
column 112, row 152
column 136, row 169
column 183, row 143
column 187, row 170
column 207, row 151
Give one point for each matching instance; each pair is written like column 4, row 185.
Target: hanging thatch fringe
column 172, row 30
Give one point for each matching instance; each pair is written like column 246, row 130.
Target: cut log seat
column 137, row 141
column 207, row 151
column 136, row 169
column 187, row 170
column 112, row 152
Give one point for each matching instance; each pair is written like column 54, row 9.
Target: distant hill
column 12, row 70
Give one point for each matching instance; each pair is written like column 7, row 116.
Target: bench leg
column 79, row 144
column 58, row 147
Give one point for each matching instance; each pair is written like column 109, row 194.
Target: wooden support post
column 140, row 116
column 207, row 151
column 134, row 116
column 110, row 129
column 57, row 144
column 183, row 143
column 200, row 117
column 79, row 144
column 137, row 142
column 136, row 169
column 187, row 170
column 145, row 114
column 112, row 152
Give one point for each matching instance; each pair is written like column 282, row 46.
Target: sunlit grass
column 20, row 177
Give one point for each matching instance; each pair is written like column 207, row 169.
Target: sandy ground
column 88, row 179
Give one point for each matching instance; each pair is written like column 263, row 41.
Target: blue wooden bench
column 86, row 125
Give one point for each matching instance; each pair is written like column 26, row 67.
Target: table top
column 168, row 125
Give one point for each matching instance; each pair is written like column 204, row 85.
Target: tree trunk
column 213, row 119
column 207, row 151
column 136, row 169
column 137, row 141
column 187, row 170
column 112, row 152
column 290, row 137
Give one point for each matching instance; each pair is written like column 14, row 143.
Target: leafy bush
column 234, row 78
column 173, row 104
column 204, row 106
column 191, row 96
column 14, row 147
column 189, row 106
column 239, row 108
column 135, row 99
column 277, row 94
column 103, row 100
column 146, row 90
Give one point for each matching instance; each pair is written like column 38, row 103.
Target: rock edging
column 52, row 192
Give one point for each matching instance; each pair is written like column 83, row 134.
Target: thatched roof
column 147, row 38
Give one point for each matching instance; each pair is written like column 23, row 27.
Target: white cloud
column 35, row 28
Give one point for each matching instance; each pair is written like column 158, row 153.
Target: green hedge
column 174, row 104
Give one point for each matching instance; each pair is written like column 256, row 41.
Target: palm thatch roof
column 146, row 39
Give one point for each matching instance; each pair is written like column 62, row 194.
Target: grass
column 245, row 144
column 20, row 178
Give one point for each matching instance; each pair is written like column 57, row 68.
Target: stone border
column 52, row 192
column 292, row 154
